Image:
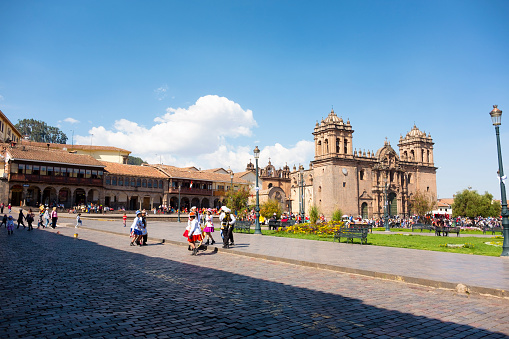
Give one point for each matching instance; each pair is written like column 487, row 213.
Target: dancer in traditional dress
column 209, row 227
column 193, row 232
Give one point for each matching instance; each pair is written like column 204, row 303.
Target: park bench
column 274, row 224
column 444, row 231
column 493, row 230
column 243, row 226
column 351, row 233
column 361, row 225
column 422, row 227
column 287, row 223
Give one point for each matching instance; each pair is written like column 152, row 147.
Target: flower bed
column 322, row 230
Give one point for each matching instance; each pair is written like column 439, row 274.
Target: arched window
column 428, row 160
column 361, row 175
column 337, row 145
column 270, row 186
column 422, row 155
column 412, row 155
column 345, row 148
column 409, row 178
column 326, row 146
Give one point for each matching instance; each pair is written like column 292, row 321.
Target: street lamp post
column 386, row 203
column 303, row 210
column 258, row 229
column 496, row 117
column 179, row 203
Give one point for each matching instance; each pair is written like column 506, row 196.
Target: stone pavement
column 56, row 286
column 481, row 274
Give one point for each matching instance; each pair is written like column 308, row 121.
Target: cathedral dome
column 332, row 118
column 415, row 132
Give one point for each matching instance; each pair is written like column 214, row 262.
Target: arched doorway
column 49, row 196
column 205, row 203
column 64, row 197
column 364, row 210
column 80, row 198
column 33, row 197
column 133, row 203
column 393, row 206
column 93, row 196
column 184, row 203
column 174, row 202
column 217, row 204
column 195, row 202
column 16, row 195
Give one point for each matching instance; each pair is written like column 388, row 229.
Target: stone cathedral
column 357, row 182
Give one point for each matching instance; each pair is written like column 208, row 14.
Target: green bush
column 336, row 215
column 314, row 214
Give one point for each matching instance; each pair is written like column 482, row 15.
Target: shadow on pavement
column 60, row 286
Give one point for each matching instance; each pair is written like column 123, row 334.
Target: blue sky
column 203, row 82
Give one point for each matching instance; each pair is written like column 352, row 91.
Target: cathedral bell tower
column 333, row 138
column 416, row 147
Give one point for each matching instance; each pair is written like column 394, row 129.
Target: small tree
column 270, row 207
column 422, row 203
column 237, row 200
column 336, row 215
column 471, row 204
column 314, row 214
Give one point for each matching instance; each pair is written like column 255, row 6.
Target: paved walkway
column 57, row 286
column 481, row 274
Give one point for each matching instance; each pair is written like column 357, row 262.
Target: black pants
column 145, row 237
column 227, row 235
column 30, row 225
column 20, row 222
column 53, row 222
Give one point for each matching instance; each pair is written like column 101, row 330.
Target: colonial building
column 8, row 133
column 102, row 153
column 358, row 182
column 273, row 183
column 133, row 187
column 33, row 175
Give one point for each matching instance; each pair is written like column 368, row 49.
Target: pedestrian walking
column 144, row 233
column 136, row 229
column 30, row 219
column 2, row 206
column 4, row 220
column 78, row 221
column 20, row 219
column 193, row 233
column 9, row 207
column 10, row 225
column 209, row 227
column 54, row 217
column 47, row 217
column 124, row 218
column 227, row 220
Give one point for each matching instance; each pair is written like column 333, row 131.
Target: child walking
column 124, row 218
column 10, row 225
column 193, row 232
column 78, row 220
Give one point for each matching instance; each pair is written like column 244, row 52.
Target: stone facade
column 357, row 182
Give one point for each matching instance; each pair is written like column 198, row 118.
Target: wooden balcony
column 190, row 191
column 45, row 179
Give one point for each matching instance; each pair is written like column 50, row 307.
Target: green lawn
column 477, row 246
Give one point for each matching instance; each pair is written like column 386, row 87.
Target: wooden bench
column 287, row 223
column 243, row 226
column 493, row 230
column 422, row 227
column 351, row 233
column 444, row 231
column 274, row 224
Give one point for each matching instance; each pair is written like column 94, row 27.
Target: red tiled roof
column 132, row 170
column 73, row 147
column 36, row 154
column 185, row 173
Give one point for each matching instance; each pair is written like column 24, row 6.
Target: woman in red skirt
column 193, row 232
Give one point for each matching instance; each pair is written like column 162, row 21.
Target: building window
column 337, row 145
column 28, row 169
column 344, row 184
column 81, row 173
column 149, row 183
column 99, row 174
column 120, row 181
column 160, row 184
column 361, row 175
column 133, row 182
column 108, row 180
column 14, row 168
column 50, row 170
column 114, row 181
column 138, row 182
column 220, row 188
column 94, row 174
column 144, row 183
column 43, row 170
column 88, row 174
column 57, row 172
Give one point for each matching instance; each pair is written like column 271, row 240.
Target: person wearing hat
column 193, row 232
column 136, row 227
column 227, row 220
column 10, row 225
column 209, row 227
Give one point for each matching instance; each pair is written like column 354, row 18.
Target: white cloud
column 71, row 120
column 161, row 92
column 1, row 97
column 201, row 135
